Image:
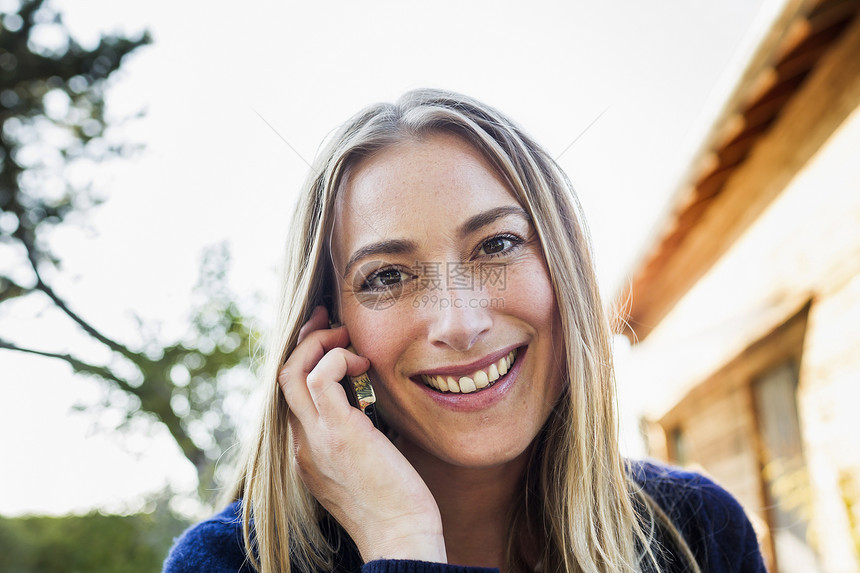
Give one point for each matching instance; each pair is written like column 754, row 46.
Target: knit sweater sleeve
column 216, row 546
column 404, row 566
column 711, row 521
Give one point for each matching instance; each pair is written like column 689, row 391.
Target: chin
column 479, row 450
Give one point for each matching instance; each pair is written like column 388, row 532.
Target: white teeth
column 478, row 380
column 481, row 379
column 441, row 383
column 467, row 385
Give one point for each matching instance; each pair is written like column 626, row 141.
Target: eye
column 386, row 278
column 498, row 245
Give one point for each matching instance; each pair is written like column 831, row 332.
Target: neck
column 474, row 503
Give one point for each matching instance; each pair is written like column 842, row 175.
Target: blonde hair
column 577, row 498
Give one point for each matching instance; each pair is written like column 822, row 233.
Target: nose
column 458, row 321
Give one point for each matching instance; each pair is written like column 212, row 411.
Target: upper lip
column 471, row 367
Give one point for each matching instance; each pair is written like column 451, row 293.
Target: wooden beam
column 822, row 103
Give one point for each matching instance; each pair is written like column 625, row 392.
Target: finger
column 299, row 442
column 315, row 345
column 317, row 321
column 292, row 378
column 295, row 392
column 323, row 382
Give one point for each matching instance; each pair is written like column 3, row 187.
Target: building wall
column 801, row 256
column 713, row 429
column 829, row 398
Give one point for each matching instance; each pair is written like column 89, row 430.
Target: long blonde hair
column 578, row 501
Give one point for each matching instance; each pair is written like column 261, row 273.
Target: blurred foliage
column 51, row 122
column 93, row 542
column 53, row 136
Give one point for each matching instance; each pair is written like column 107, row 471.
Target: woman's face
column 443, row 278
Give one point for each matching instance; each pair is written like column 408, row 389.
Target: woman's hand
column 354, row 471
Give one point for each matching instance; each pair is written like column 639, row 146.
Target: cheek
column 527, row 292
column 530, row 297
column 377, row 335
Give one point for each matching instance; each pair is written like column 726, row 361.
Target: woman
column 452, row 249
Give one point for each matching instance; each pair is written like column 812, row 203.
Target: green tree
column 52, row 120
column 93, row 542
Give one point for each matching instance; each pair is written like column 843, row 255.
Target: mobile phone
column 359, row 391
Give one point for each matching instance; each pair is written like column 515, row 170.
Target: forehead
column 435, row 181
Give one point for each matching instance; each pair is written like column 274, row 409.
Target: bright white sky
column 212, row 170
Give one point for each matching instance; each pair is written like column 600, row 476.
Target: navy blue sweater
column 712, row 522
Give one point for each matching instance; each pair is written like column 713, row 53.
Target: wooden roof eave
column 742, row 164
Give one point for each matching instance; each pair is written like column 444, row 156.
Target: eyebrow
column 389, row 247
column 472, row 224
column 405, row 246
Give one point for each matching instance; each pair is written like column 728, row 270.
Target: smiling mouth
column 478, row 380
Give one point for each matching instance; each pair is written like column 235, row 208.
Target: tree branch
column 78, row 365
column 61, row 304
column 165, row 416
